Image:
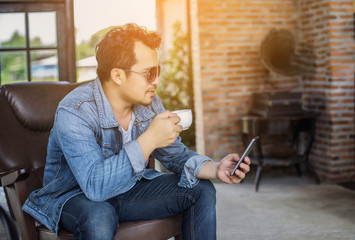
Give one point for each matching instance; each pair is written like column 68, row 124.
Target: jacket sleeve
column 178, row 158
column 100, row 177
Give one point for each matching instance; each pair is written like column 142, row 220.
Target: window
column 37, row 41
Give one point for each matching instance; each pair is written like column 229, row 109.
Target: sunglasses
column 151, row 74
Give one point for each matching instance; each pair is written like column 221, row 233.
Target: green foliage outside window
column 13, row 63
column 87, row 48
column 175, row 88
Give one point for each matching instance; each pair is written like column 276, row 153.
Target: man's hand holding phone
column 227, row 164
column 229, row 171
column 245, row 154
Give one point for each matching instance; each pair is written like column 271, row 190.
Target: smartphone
column 246, row 152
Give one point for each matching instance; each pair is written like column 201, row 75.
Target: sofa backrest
column 26, row 117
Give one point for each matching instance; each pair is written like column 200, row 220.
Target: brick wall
column 226, row 37
column 229, row 67
column 327, row 47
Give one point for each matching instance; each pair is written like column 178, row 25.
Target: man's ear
column 117, row 75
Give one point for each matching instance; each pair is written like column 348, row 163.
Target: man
column 100, row 143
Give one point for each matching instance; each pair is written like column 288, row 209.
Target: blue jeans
column 148, row 199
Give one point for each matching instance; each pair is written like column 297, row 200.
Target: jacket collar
column 106, row 115
column 142, row 113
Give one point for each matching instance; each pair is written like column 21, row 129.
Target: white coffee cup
column 186, row 118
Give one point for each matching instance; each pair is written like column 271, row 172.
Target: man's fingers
column 247, row 160
column 235, row 180
column 166, row 114
column 224, row 177
column 179, row 128
column 239, row 174
column 245, row 167
column 234, row 157
column 175, row 119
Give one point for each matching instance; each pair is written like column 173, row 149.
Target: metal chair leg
column 9, row 225
column 257, row 178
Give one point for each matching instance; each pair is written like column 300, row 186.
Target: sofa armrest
column 13, row 177
column 16, row 190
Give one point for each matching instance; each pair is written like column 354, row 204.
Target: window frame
column 65, row 32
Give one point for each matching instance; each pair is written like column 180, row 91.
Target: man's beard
column 146, row 104
column 151, row 100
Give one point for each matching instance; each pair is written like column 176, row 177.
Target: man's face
column 136, row 89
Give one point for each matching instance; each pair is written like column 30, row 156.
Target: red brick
column 232, row 70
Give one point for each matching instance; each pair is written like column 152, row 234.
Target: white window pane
column 12, row 30
column 43, row 29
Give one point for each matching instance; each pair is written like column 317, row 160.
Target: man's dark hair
column 116, row 49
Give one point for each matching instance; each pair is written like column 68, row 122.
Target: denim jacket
column 85, row 154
